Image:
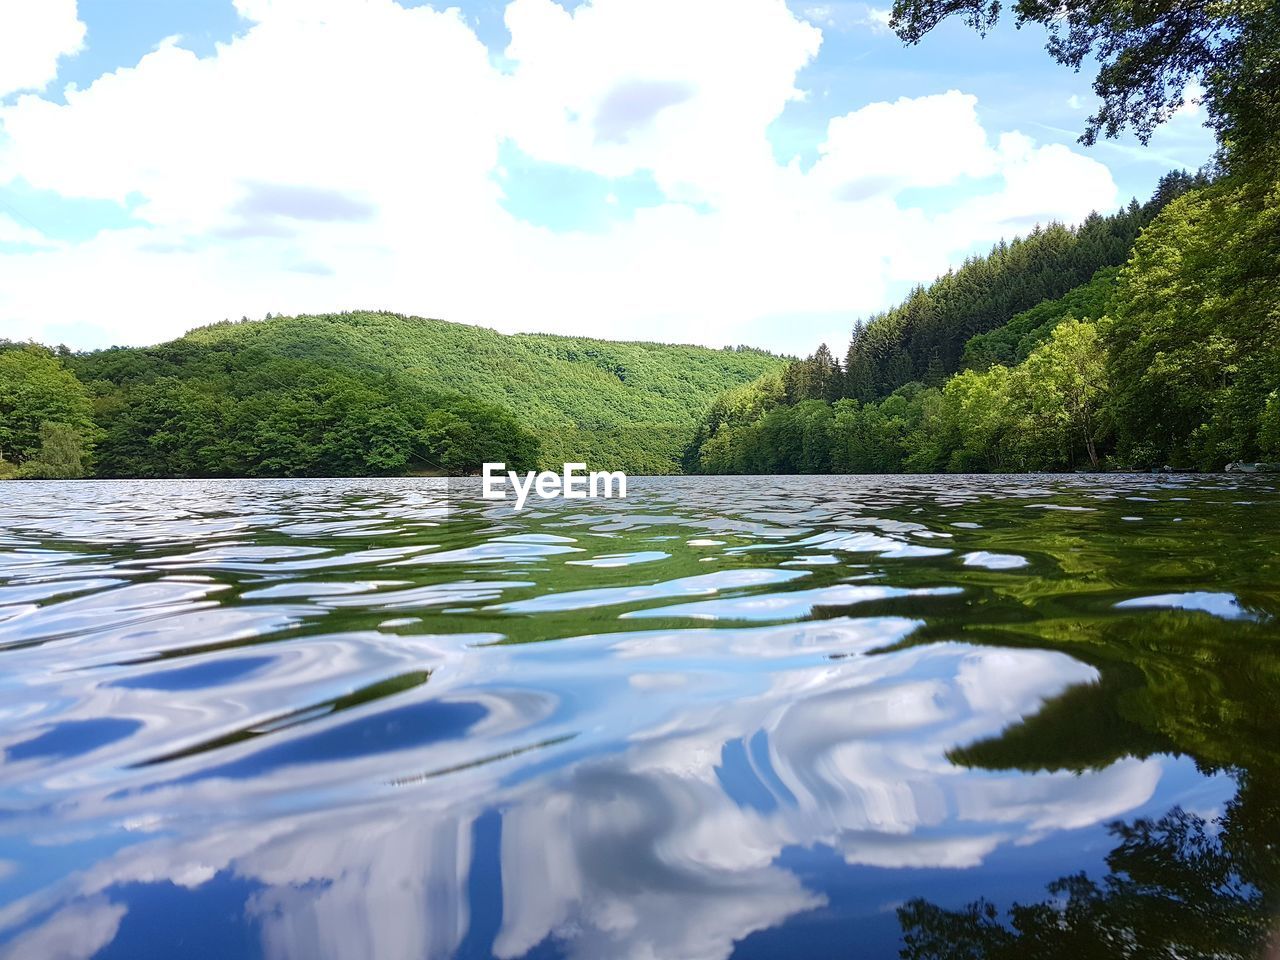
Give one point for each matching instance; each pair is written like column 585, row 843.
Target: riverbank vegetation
column 1172, row 359
column 1145, row 339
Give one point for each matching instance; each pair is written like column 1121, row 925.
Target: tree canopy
column 357, row 394
column 1149, row 54
column 1171, row 359
column 46, row 417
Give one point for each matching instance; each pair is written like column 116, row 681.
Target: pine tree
column 828, row 377
column 925, row 337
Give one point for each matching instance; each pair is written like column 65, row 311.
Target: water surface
column 756, row 717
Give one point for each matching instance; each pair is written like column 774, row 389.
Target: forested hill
column 1042, row 355
column 355, row 394
column 632, row 404
column 924, row 338
column 1173, row 359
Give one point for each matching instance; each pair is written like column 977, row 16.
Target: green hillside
column 363, row 393
column 1172, row 359
column 630, row 404
column 923, row 339
column 1014, row 342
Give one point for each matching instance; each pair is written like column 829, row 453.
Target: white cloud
column 193, row 135
column 879, row 18
column 310, row 188
column 34, row 34
column 1192, row 98
column 619, row 85
column 923, row 142
column 76, row 932
column 847, row 15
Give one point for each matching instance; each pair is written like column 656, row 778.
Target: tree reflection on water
column 1187, row 884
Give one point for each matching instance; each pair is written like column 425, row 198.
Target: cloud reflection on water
column 333, row 783
column 645, row 847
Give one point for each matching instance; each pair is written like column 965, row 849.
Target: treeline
column 186, row 412
column 1039, row 415
column 924, row 339
column 355, row 394
column 1040, row 356
column 1173, row 359
column 629, row 406
column 47, row 430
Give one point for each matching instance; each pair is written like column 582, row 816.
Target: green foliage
column 785, row 439
column 938, row 329
column 227, row 412
column 1045, row 414
column 818, row 377
column 358, row 394
column 1066, row 384
column 972, row 426
column 716, row 439
column 1195, row 346
column 364, row 394
column 1269, row 426
column 1013, row 343
column 36, row 389
column 61, row 455
column 1147, row 55
column 467, row 434
column 1172, row 359
column 1194, row 352
column 631, row 406
column 875, row 438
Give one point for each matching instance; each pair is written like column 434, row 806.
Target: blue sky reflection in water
column 780, row 717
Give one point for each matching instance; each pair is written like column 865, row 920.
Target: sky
column 719, row 172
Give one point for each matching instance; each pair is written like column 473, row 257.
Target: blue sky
column 714, row 172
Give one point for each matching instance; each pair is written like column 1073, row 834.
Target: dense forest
column 1171, row 359
column 1143, row 340
column 353, row 395
column 924, row 339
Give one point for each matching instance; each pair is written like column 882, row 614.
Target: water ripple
column 331, row 719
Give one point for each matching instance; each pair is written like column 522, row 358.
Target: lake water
column 756, row 717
